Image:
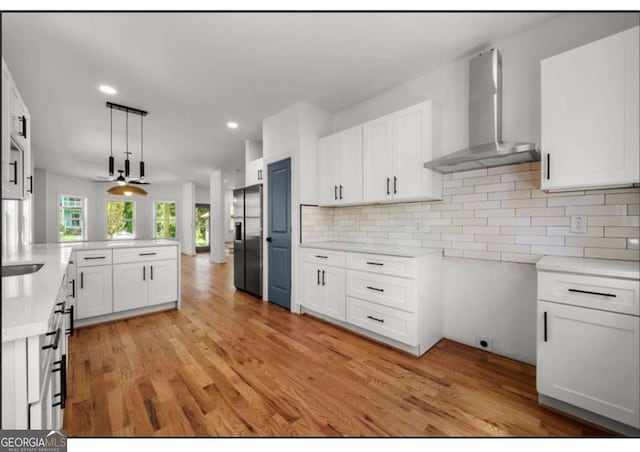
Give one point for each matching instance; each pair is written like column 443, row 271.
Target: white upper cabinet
column 254, row 172
column 340, row 167
column 590, row 120
column 17, row 174
column 395, row 149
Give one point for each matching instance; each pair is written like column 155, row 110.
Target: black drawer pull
column 545, row 326
column 388, row 192
column 323, row 277
column 592, row 293
column 395, row 185
column 151, row 272
column 321, row 257
column 375, row 318
column 548, row 166
column 56, row 341
column 147, row 254
column 73, row 288
column 340, row 191
column 335, row 192
column 318, row 283
column 69, row 311
column 30, row 184
column 375, row 263
column 82, row 280
column 375, row 288
column 94, row 257
column 144, row 273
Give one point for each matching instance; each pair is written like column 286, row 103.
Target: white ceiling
column 194, row 72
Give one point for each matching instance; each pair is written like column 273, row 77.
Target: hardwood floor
column 228, row 364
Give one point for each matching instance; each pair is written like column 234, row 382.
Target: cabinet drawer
column 324, row 257
column 387, row 265
column 399, row 293
column 144, row 254
column 607, row 294
column 92, row 258
column 392, row 323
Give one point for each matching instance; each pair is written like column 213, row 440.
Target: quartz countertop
column 369, row 248
column 28, row 300
column 587, row 266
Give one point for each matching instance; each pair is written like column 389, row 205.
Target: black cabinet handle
column 23, row 119
column 147, row 254
column 375, row 263
column 340, row 191
column 82, row 280
column 548, row 166
column 323, row 277
column 90, row 258
column 375, row 288
column 73, row 288
column 56, row 340
column 318, row 282
column 388, row 192
column 593, row 293
column 321, row 257
column 15, row 172
column 144, row 272
column 395, row 185
column 335, row 192
column 375, row 318
column 30, row 184
column 63, row 381
column 69, row 311
column 61, row 310
column 545, row 326
column 151, row 266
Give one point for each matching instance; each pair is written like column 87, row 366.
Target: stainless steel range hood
column 486, row 148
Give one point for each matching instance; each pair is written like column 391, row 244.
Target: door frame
column 202, row 249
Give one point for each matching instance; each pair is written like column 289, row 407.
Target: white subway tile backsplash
column 495, row 214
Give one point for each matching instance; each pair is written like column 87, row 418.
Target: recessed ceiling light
column 232, row 125
column 107, row 89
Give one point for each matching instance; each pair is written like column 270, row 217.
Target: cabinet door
column 129, row 286
column 333, row 293
column 590, row 359
column 251, row 173
column 377, row 167
column 311, row 288
column 590, row 120
column 411, row 148
column 94, row 294
column 350, row 170
column 162, row 281
column 329, row 169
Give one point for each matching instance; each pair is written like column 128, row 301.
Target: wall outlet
column 484, row 343
column 579, row 224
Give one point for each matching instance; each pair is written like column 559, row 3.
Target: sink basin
column 17, row 270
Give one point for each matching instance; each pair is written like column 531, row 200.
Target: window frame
column 154, row 225
column 133, row 219
column 83, row 217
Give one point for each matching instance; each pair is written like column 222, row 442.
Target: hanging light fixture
column 124, row 181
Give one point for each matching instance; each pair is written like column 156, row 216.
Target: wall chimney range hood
column 486, row 148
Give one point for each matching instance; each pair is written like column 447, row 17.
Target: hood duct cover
column 486, row 148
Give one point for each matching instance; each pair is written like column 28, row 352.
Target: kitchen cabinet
column 340, row 167
column 324, row 290
column 590, row 115
column 162, row 282
column 130, row 287
column 588, row 338
column 390, row 298
column 395, row 148
column 254, row 173
column 94, row 292
column 17, row 165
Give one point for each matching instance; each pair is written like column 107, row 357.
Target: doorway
column 279, row 232
column 203, row 223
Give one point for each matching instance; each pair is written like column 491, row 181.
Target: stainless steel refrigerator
column 247, row 243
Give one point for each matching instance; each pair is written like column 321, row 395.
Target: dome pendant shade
column 126, row 190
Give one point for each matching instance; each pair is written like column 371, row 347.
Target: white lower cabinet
column 129, row 286
column 94, row 291
column 324, row 290
column 162, row 282
column 588, row 342
column 590, row 359
column 365, row 291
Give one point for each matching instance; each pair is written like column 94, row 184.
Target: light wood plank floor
column 228, row 364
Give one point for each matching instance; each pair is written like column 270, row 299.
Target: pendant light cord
column 111, row 132
column 141, row 138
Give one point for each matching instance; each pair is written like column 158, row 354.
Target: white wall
column 187, row 214
column 202, row 194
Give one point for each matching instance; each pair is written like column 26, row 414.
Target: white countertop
column 596, row 267
column 29, row 300
column 368, row 248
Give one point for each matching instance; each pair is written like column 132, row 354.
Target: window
column 71, row 218
column 165, row 213
column 121, row 219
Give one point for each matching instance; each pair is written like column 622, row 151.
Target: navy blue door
column 279, row 232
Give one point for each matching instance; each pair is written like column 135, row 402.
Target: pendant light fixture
column 125, row 183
